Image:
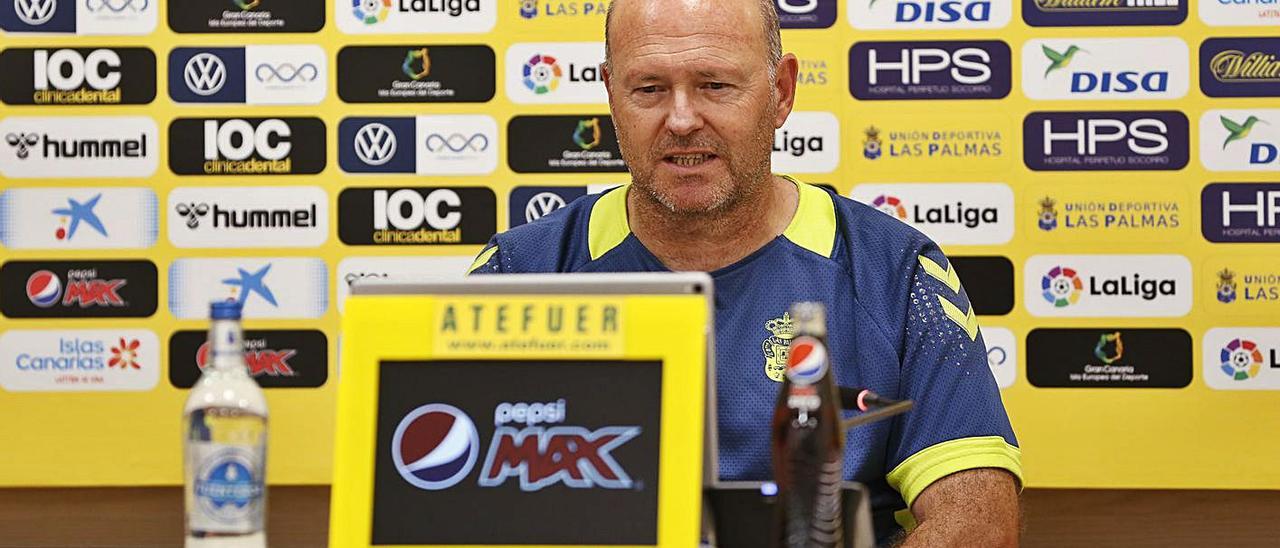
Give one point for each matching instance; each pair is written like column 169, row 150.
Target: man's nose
column 683, row 118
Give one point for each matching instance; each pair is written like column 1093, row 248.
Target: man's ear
column 785, row 87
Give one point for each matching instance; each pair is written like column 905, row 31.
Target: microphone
column 863, row 399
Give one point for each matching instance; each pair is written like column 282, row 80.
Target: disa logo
column 929, row 14
column 436, row 446
column 1105, row 68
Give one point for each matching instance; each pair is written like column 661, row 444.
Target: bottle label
column 228, row 488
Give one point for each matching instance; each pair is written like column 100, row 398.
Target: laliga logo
column 806, row 361
column 436, row 445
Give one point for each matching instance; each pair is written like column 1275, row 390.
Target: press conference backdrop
column 1104, row 175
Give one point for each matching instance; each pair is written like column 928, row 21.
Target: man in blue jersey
column 696, row 89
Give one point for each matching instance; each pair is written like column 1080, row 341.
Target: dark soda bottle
column 808, row 440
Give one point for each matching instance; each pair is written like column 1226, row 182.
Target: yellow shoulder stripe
column 608, row 227
column 968, row 322
column 482, row 258
column 947, row 276
column 933, row 463
column 814, row 225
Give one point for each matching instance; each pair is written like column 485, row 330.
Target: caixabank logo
column 78, row 289
column 79, row 360
column 806, row 14
column 77, row 147
column 1240, row 212
column 78, row 218
column 584, row 143
column 247, row 146
column 1104, row 13
column 80, row 76
column 553, row 431
column 1240, row 140
column 416, row 73
column 251, row 216
column 408, row 269
column 930, row 70
column 929, row 14
column 445, row 144
column 1240, row 67
column 1103, row 212
column 1105, row 141
column 276, row 358
column 555, row 72
column 949, row 213
column 808, row 142
column 1107, row 285
column 100, row 17
column 1109, row 357
column 1242, row 358
column 245, row 16
column 1239, row 13
column 413, row 16
column 256, row 75
column 417, row 216
column 1105, row 68
column 267, row 288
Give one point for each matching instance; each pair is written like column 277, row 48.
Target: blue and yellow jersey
column 898, row 322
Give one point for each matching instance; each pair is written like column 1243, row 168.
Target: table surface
column 299, row 517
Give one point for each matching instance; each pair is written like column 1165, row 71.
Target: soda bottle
column 225, row 444
column 808, row 440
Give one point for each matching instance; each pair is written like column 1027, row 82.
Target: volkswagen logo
column 35, row 12
column 375, row 144
column 205, row 74
column 541, row 204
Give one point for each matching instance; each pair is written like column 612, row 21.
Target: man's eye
column 716, row 85
column 648, row 89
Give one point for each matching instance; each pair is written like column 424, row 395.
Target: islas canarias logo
column 437, row 445
column 1241, row 359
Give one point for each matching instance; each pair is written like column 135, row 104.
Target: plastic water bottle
column 225, row 444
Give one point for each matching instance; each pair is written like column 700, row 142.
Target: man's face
column 692, row 100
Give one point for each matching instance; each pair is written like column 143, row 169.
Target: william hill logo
column 1241, row 66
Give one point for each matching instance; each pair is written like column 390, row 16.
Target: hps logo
column 929, row 14
column 1105, row 140
column 1240, row 140
column 1105, row 68
column 930, row 70
column 1108, row 285
column 435, row 447
column 1240, row 212
column 806, row 14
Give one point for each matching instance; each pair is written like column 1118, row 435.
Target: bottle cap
column 224, row 310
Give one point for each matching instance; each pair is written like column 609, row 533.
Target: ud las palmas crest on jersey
column 775, row 347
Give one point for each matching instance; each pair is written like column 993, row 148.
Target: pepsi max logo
column 806, row 361
column 435, row 446
column 44, row 288
column 78, row 289
column 276, row 358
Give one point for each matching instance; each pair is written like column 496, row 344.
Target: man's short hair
column 771, row 28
